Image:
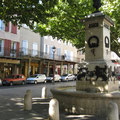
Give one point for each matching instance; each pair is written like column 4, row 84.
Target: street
column 19, row 90
column 12, row 101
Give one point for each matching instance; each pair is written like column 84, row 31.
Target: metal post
column 54, row 48
column 54, row 66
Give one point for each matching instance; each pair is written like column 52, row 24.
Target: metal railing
column 23, row 52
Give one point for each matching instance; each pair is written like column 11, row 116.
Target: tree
column 67, row 24
column 112, row 8
column 26, row 11
column 60, row 18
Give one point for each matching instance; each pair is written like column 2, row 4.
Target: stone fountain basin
column 81, row 102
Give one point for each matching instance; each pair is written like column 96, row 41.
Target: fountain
column 97, row 84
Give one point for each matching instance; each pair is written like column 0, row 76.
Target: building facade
column 26, row 52
column 9, row 49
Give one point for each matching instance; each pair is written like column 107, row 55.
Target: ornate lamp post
column 54, row 49
column 97, row 4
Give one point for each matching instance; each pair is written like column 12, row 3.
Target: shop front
column 8, row 67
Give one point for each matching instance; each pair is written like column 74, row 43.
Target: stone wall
column 85, row 103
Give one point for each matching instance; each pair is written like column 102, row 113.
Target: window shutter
column 7, row 27
column 17, row 49
column 14, row 29
column 7, row 47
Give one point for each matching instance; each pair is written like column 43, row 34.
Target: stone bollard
column 28, row 100
column 54, row 110
column 44, row 93
column 113, row 113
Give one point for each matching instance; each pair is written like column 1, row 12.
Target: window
column 2, row 25
column 51, row 52
column 13, row 48
column 25, row 47
column 1, row 47
column 71, row 55
column 46, row 49
column 68, row 55
column 34, row 49
column 13, row 45
column 58, row 51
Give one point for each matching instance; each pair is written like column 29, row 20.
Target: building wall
column 27, row 64
column 30, row 36
column 64, row 46
column 9, row 35
column 9, row 49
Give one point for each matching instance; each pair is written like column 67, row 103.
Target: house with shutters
column 26, row 52
column 9, row 48
column 37, row 54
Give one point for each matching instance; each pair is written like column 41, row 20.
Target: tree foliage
column 67, row 24
column 60, row 18
column 26, row 11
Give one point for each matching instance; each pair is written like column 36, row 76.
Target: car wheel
column 35, row 82
column 67, row 79
column 53, row 81
column 3, row 84
column 45, row 81
column 11, row 83
column 23, row 82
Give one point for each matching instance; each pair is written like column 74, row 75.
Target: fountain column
column 100, row 69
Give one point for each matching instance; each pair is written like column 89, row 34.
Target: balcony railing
column 23, row 52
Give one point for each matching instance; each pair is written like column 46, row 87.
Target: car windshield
column 51, row 75
column 65, row 75
column 12, row 76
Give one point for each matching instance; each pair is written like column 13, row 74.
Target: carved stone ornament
column 107, row 42
column 93, row 42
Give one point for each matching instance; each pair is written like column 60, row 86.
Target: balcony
column 26, row 53
column 10, row 53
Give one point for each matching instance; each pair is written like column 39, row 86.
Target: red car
column 14, row 79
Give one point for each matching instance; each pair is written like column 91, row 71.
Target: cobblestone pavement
column 12, row 109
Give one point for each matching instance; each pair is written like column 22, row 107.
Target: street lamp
column 54, row 49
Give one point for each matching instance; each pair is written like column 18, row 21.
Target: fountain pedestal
column 97, row 86
column 93, row 96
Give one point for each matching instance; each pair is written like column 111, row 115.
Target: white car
column 50, row 78
column 36, row 78
column 67, row 77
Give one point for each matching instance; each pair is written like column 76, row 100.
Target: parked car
column 50, row 78
column 75, row 76
column 0, row 81
column 67, row 77
column 14, row 79
column 36, row 78
column 118, row 76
